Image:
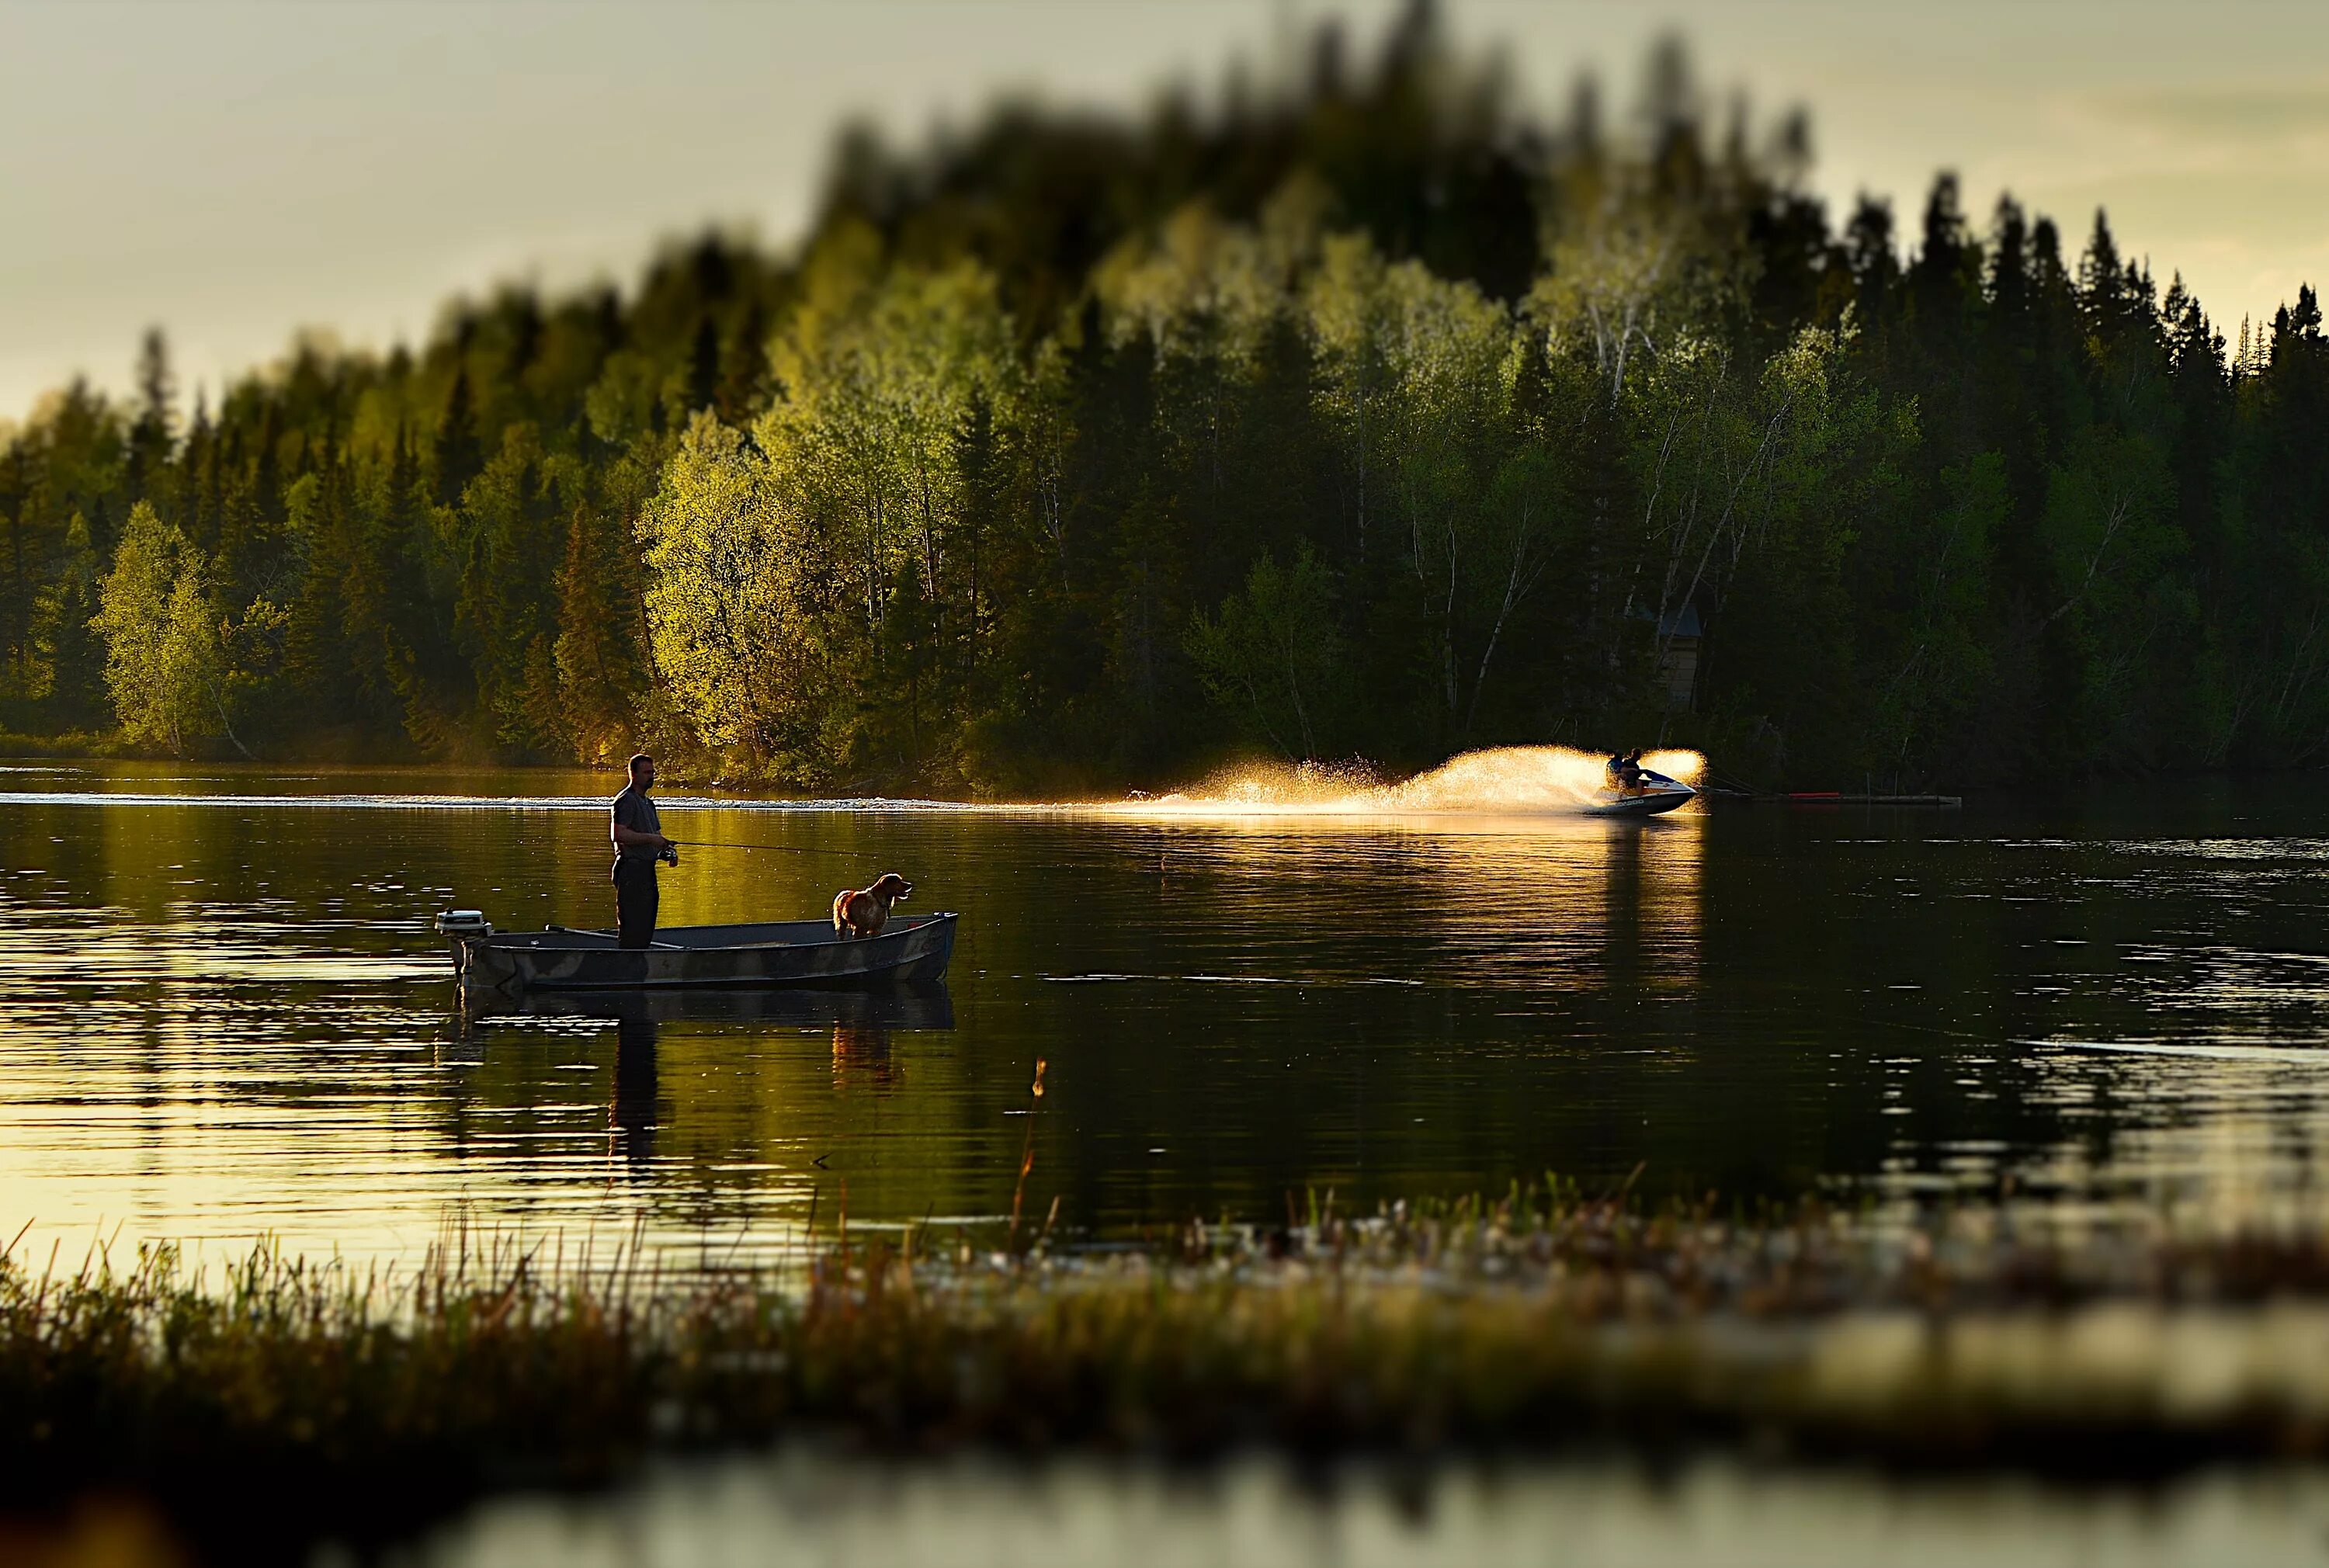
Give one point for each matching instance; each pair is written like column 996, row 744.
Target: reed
column 316, row 1398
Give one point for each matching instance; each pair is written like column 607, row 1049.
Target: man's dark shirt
column 634, row 811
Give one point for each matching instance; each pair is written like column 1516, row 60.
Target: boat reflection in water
column 860, row 1022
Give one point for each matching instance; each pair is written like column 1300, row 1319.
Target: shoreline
column 1542, row 1324
column 22, row 749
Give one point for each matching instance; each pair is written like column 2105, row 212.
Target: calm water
column 805, row 1508
column 226, row 1015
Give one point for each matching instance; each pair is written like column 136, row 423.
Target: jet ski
column 1654, row 796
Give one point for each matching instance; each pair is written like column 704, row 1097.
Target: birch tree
column 729, row 601
column 164, row 667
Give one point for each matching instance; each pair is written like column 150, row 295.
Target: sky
column 235, row 170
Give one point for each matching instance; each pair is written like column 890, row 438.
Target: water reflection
column 859, row 1021
column 230, row 1018
column 925, row 1005
column 808, row 1507
column 631, row 1116
column 1565, row 901
column 862, row 1055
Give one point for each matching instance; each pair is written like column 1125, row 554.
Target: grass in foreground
column 284, row 1401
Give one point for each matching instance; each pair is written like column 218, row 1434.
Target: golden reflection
column 2236, row 1136
column 1564, row 901
column 1493, row 850
column 807, row 1506
column 861, row 1055
column 225, row 1019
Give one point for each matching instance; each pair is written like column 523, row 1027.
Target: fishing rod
column 768, row 849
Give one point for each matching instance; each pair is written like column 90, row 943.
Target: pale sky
column 233, row 170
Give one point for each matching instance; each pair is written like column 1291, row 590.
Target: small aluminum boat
column 803, row 953
column 1656, row 794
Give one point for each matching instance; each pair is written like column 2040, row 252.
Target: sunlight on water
column 232, row 1021
column 806, row 1507
column 1511, row 780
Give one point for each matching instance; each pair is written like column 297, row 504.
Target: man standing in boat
column 639, row 843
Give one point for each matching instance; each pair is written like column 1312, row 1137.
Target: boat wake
column 1502, row 781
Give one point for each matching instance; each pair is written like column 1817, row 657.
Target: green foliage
column 729, row 598
column 1275, row 655
column 66, row 640
column 987, row 487
column 508, row 532
column 601, row 676
column 165, row 664
column 1935, row 670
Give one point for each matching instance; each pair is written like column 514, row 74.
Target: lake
column 228, row 1016
column 802, row 1506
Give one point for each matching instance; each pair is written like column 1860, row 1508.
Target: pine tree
column 2304, row 320
column 75, row 653
column 458, row 454
column 153, row 432
column 602, row 679
column 1031, row 401
column 704, row 368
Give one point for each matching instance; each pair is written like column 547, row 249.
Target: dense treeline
column 1369, row 416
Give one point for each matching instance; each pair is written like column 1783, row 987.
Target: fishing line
column 770, row 848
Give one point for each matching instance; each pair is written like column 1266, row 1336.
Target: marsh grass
column 275, row 1400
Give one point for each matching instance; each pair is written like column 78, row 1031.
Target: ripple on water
column 234, row 1020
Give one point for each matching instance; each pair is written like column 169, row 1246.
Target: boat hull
column 1657, row 795
column 1656, row 802
column 703, row 957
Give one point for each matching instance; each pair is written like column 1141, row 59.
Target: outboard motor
column 460, row 927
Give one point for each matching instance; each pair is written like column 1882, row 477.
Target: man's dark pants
column 635, row 897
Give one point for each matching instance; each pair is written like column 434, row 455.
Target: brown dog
column 863, row 913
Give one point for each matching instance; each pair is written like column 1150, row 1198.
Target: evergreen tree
column 459, row 453
column 153, row 431
column 602, row 680
column 1064, row 451
column 74, row 651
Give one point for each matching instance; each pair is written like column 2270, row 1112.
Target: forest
column 1365, row 414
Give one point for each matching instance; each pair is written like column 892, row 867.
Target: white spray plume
column 1500, row 781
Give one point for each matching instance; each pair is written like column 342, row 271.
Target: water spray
column 1498, row 781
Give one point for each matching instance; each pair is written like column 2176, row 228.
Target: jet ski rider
column 1624, row 770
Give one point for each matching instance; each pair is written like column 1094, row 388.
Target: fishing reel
column 668, row 854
